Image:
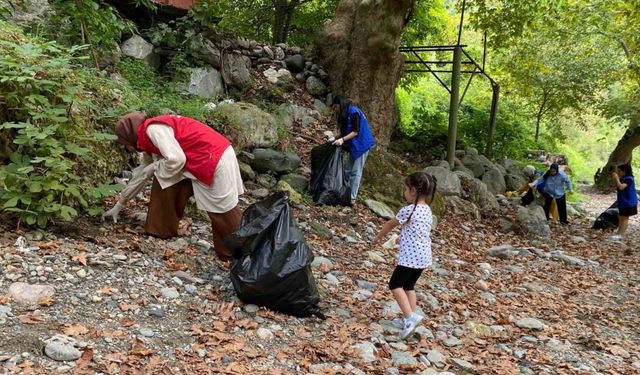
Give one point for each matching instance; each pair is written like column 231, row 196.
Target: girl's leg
column 623, row 223
column 403, row 301
column 413, row 300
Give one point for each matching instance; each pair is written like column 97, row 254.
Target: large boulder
column 268, row 160
column 448, row 183
column 510, row 166
column 288, row 113
column 494, row 179
column 246, row 125
column 139, row 48
column 531, row 219
column 477, row 192
column 380, row 209
column 203, row 48
column 205, row 82
column 280, row 76
column 463, row 207
column 235, row 70
column 513, row 181
column 26, row 12
column 297, row 181
column 315, row 86
column 295, row 63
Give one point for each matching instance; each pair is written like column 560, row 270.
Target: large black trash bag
column 271, row 260
column 328, row 184
column 608, row 219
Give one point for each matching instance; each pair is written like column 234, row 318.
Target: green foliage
column 91, row 22
column 40, row 184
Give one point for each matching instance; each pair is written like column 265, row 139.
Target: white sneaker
column 410, row 325
column 398, row 323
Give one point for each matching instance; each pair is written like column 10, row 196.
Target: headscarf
column 127, row 128
column 529, row 170
column 553, row 166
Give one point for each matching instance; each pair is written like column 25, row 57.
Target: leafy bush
column 42, row 89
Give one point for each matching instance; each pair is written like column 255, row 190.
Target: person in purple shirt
column 622, row 176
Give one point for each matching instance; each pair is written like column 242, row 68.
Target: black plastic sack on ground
column 271, row 260
column 328, row 185
column 608, row 219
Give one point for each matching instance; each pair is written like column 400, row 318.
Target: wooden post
column 492, row 119
column 453, row 105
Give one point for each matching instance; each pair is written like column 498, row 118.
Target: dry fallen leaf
column 4, row 300
column 46, row 301
column 139, row 349
column 32, row 317
column 81, row 258
column 76, row 330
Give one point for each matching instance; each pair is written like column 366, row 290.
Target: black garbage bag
column 328, row 184
column 271, row 260
column 608, row 219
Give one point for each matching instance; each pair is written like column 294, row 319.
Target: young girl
column 627, row 196
column 415, row 245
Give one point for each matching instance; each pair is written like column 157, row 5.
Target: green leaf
column 11, row 202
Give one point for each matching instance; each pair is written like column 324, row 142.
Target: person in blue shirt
column 355, row 138
column 622, row 176
column 554, row 181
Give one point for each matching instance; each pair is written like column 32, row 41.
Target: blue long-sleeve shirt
column 554, row 185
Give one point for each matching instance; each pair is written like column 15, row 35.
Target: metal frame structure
column 460, row 58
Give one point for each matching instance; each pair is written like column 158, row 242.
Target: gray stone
column 489, row 297
column 264, row 334
column 297, row 181
column 247, row 125
column 280, row 76
column 235, row 70
column 478, row 192
column 315, row 86
column 29, row 294
column 251, row 309
column 206, row 83
column 169, row 293
column 295, row 63
column 436, row 357
column 380, row 209
column 139, row 48
column 367, row 351
column 191, row 289
column 567, row 259
column 532, row 219
column 260, row 193
column 403, row 359
column 294, row 196
column 425, row 332
column 157, row 311
column 448, row 182
column 367, row 285
column 451, row 342
column 530, row 323
column 462, row 364
column 146, row 332
column 362, row 295
column 513, row 182
column 494, row 180
column 206, row 50
column 62, row 348
column 246, row 172
column 501, row 251
column 462, row 207
column 26, row 12
column 177, row 281
column 267, row 160
column 375, row 257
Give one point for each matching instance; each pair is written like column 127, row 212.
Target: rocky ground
column 112, row 300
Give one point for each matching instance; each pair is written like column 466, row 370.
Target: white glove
column 338, row 142
column 113, row 213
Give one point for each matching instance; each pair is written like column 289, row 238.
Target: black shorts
column 404, row 277
column 628, row 211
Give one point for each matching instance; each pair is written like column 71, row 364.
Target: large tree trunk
column 359, row 49
column 623, row 151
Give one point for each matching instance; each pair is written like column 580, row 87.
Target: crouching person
column 186, row 158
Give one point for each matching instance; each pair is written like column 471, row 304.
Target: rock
column 375, row 257
column 177, row 281
column 264, row 334
column 206, row 50
column 567, row 259
column 331, row 279
column 380, row 209
column 251, row 309
column 140, row 49
column 320, row 229
column 246, row 172
column 462, row 207
column 280, row 76
column 482, row 285
column 478, row 192
column 157, row 311
column 532, row 219
column 452, row 341
column 247, row 125
column 191, row 289
column 267, row 160
column 513, row 182
column 462, row 364
column 146, row 332
column 315, row 86
column 297, row 181
column 448, row 182
column 494, row 180
column 206, row 83
column 27, row 12
column 319, row 262
column 82, row 273
column 169, row 293
column 294, row 196
column 182, row 275
column 403, row 359
column 362, row 295
column 295, row 63
column 30, row 294
column 530, row 323
column 436, row 358
column 425, row 332
column 62, row 348
column 502, row 251
column 577, row 239
column 278, row 53
column 236, row 70
column 322, row 108
column 260, row 193
column 367, row 285
column 367, row 351
column 489, row 297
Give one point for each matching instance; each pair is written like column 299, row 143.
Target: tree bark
column 359, row 50
column 622, row 153
column 539, row 115
column 283, row 12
